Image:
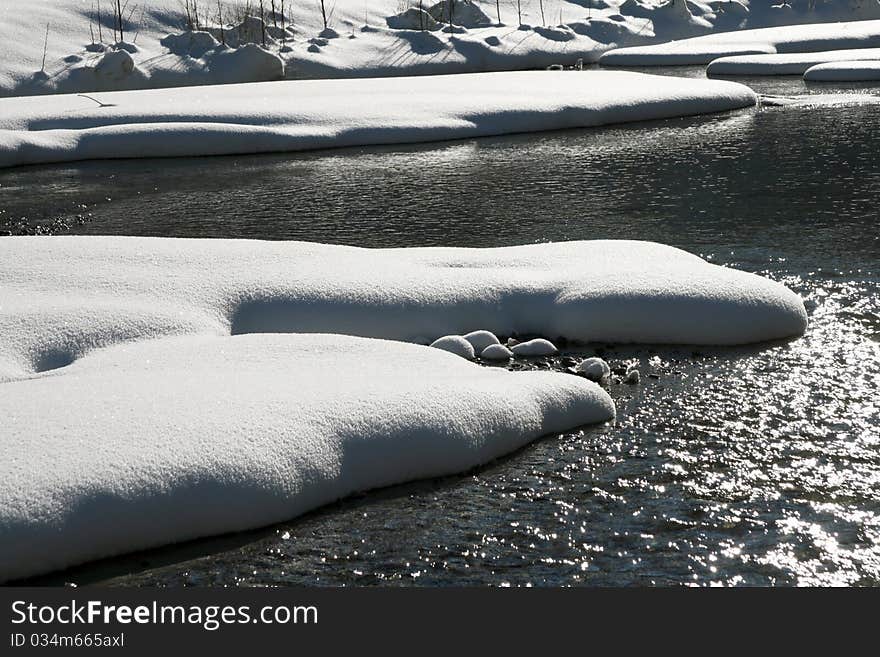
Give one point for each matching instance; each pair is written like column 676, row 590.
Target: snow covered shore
column 156, row 390
column 293, row 116
column 844, row 71
column 163, row 44
column 788, row 39
column 786, row 64
column 156, row 442
column 65, row 296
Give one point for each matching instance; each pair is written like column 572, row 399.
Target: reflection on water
column 756, row 465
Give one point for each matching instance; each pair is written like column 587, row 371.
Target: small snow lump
column 481, row 339
column 536, row 347
column 455, row 344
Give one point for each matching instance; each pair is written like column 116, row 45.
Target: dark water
column 756, row 465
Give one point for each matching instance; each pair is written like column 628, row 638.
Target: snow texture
column 787, row 64
column 844, row 71
column 782, row 40
column 294, row 116
column 154, row 442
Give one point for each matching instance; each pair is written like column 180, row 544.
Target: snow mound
column 789, row 39
column 464, row 13
column 413, row 19
column 249, row 62
column 594, row 369
column 496, row 352
column 190, row 44
column 455, row 344
column 310, row 114
column 167, row 440
column 65, row 296
column 536, row 347
column 786, row 64
column 844, row 71
column 481, row 339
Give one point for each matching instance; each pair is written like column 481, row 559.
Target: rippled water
column 756, row 465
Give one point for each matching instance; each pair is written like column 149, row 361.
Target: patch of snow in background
column 845, row 71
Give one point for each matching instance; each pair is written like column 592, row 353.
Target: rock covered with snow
column 253, row 430
column 310, row 114
column 455, row 344
column 632, row 378
column 481, row 339
column 496, row 352
column 595, row 369
column 536, row 347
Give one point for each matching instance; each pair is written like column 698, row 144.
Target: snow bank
column 786, row 64
column 157, row 390
column 366, row 39
column 146, row 444
column 844, row 71
column 292, row 116
column 788, row 39
column 63, row 297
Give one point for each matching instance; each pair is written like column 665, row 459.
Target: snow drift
column 64, row 296
column 156, row 390
column 167, row 440
column 786, row 64
column 844, row 71
column 771, row 40
column 292, row 116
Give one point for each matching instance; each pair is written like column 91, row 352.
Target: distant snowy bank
column 311, row 114
column 157, row 390
column 844, row 71
column 70, row 46
column 766, row 41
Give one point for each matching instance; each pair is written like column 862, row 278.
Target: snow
column 496, row 352
column 536, row 347
column 850, row 71
column 455, row 344
column 480, row 340
column 62, row 297
column 594, row 368
column 782, row 40
column 786, row 64
column 159, row 441
column 364, row 39
column 157, row 390
column 293, row 116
